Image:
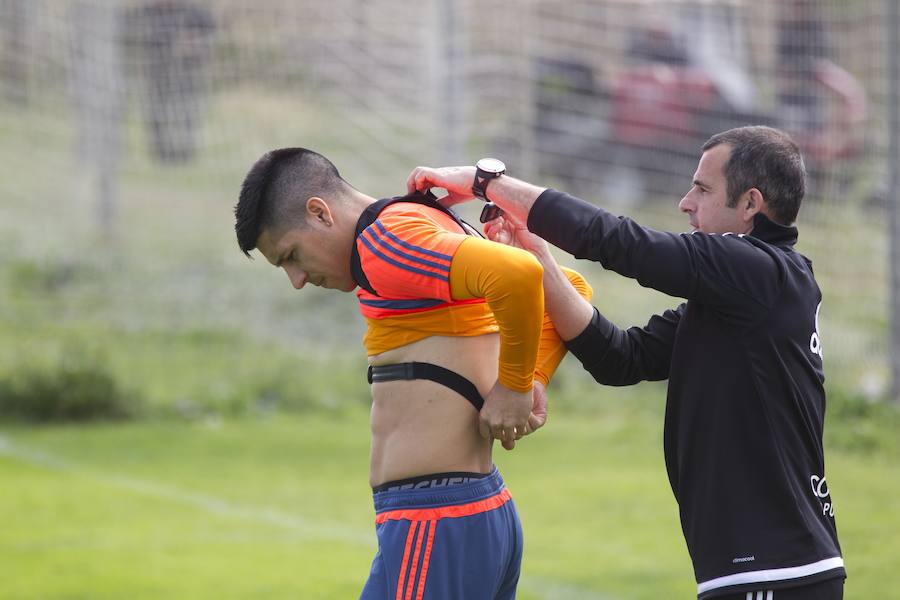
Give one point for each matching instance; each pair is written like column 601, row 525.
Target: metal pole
column 892, row 22
column 527, row 117
column 452, row 98
column 99, row 89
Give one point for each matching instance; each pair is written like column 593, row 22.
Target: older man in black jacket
column 746, row 402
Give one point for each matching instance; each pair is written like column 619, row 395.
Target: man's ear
column 751, row 202
column 318, row 211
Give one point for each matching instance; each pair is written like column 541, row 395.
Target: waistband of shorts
column 464, row 493
column 773, row 578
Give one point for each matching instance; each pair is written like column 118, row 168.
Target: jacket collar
column 773, row 233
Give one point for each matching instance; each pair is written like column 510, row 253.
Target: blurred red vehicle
column 640, row 135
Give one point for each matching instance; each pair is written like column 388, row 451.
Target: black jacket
column 746, row 403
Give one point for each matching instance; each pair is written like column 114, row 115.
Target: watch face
column 491, row 165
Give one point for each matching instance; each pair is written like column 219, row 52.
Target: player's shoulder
column 408, row 217
column 399, row 211
column 405, row 230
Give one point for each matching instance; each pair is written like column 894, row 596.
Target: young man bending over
column 460, row 352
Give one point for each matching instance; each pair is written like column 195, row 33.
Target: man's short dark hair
column 275, row 190
column 766, row 159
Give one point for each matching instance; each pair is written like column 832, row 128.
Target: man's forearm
column 568, row 310
column 514, row 196
column 509, row 279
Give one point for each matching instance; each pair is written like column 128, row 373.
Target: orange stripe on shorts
column 415, row 563
column 421, row 591
column 446, row 512
column 409, row 538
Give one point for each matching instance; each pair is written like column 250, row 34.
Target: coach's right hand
column 456, row 180
column 514, row 196
column 505, row 415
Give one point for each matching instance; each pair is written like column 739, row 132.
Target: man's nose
column 298, row 277
column 685, row 205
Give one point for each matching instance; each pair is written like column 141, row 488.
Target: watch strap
column 483, row 178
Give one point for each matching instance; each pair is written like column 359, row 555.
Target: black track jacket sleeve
column 733, row 275
column 624, row 357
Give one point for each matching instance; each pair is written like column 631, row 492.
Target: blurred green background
column 177, row 422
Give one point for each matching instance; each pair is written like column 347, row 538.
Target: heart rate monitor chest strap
column 420, row 370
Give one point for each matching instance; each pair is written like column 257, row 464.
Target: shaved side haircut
column 275, row 190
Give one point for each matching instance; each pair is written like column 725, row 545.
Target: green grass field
column 277, row 507
column 246, row 475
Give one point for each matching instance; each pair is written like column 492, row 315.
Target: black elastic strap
column 419, row 370
column 432, row 480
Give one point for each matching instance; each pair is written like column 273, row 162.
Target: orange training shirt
column 407, row 254
column 418, row 265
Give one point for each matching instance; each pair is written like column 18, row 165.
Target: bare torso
column 421, row 427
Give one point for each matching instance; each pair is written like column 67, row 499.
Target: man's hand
column 538, row 416
column 505, row 415
column 505, row 230
column 513, row 196
column 456, row 180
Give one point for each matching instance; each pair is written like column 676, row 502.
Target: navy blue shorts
column 447, row 543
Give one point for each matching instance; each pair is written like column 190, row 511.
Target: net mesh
column 138, row 119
